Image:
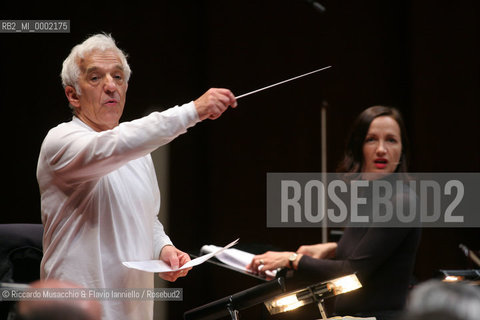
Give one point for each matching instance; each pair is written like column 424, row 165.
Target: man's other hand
column 175, row 259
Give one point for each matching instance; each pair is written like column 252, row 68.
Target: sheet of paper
column 235, row 258
column 160, row 266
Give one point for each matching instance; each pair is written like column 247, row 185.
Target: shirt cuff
column 192, row 114
column 164, row 241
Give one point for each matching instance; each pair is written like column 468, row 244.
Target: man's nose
column 110, row 85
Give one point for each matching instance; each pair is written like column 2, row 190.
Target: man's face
column 103, row 90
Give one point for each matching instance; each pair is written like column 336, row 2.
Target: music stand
column 231, row 305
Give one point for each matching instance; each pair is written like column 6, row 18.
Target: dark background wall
column 420, row 56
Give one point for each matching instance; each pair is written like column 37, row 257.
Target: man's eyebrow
column 95, row 68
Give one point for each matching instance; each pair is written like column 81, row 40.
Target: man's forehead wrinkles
column 101, row 60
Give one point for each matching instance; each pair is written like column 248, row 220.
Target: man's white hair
column 458, row 299
column 101, row 42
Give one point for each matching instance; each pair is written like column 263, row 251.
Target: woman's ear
column 72, row 96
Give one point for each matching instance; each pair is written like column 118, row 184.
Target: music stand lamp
column 316, row 293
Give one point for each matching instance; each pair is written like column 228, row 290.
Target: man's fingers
column 214, row 102
column 214, row 116
column 224, row 99
column 173, row 260
column 182, row 262
column 166, row 276
column 184, row 272
column 184, row 258
column 174, row 275
column 229, row 98
column 233, row 101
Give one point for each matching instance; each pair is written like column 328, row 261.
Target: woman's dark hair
column 353, row 159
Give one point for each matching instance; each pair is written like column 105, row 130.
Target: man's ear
column 72, row 96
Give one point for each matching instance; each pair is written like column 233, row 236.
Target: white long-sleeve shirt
column 100, row 200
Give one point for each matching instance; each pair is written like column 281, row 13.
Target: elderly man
column 99, row 192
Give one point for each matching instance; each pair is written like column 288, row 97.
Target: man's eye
column 94, row 78
column 118, row 77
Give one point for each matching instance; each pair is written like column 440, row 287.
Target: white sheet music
column 160, row 266
column 235, row 258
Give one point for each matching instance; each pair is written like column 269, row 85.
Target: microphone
column 316, row 5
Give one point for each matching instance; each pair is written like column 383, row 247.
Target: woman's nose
column 381, row 150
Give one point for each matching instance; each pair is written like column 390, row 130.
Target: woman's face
column 382, row 147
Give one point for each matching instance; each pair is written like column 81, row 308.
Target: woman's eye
column 369, row 139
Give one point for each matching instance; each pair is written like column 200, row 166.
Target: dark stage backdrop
column 421, row 57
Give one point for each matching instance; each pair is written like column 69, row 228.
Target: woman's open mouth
column 381, row 163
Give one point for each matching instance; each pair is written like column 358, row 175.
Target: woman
column 382, row 258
